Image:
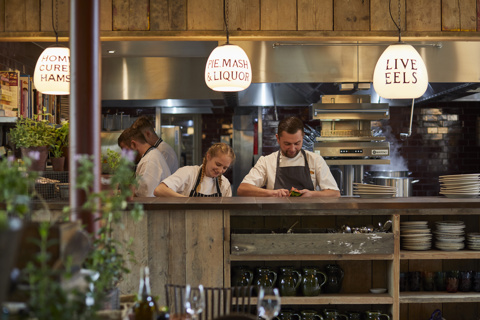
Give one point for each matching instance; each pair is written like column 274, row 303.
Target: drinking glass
column 194, row 301
column 269, row 303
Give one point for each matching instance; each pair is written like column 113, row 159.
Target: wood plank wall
column 249, row 15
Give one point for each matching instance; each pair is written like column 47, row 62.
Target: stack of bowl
column 415, row 235
column 473, row 241
column 460, row 185
column 450, row 235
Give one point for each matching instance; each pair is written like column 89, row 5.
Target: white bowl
column 378, row 290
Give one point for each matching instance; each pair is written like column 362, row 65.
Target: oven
column 348, row 139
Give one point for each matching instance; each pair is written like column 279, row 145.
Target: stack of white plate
column 460, row 185
column 450, row 235
column 473, row 241
column 415, row 235
column 373, row 191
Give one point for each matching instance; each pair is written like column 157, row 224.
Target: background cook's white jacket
column 151, row 169
column 263, row 173
column 184, row 180
column 169, row 155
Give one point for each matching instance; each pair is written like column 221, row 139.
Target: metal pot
column 388, row 173
column 402, row 184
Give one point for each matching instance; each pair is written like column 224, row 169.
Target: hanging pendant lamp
column 400, row 72
column 52, row 71
column 228, row 68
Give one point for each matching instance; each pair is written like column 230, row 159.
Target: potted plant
column 110, row 163
column 108, row 254
column 16, row 186
column 60, row 142
column 33, row 135
column 53, row 293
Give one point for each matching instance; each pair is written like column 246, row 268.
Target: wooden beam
column 281, row 36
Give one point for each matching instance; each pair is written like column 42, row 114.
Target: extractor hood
column 288, row 74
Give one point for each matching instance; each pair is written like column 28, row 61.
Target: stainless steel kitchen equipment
column 347, row 140
column 401, row 180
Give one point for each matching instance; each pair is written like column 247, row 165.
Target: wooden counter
column 188, row 240
column 345, row 203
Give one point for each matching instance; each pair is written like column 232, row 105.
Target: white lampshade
column 52, row 72
column 400, row 73
column 228, row 69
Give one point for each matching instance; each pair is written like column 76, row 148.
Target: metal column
column 85, row 101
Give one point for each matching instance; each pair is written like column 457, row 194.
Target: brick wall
column 444, row 141
column 214, row 126
column 272, row 116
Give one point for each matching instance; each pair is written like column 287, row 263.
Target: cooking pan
column 388, row 173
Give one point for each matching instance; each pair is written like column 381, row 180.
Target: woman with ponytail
column 206, row 180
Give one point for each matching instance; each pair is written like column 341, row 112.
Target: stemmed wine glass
column 269, row 303
column 194, row 301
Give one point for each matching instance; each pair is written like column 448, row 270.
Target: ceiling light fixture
column 228, row 68
column 52, row 71
column 400, row 72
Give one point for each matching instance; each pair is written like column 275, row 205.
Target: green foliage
column 60, row 139
column 48, row 300
column 32, row 133
column 106, row 257
column 110, row 161
column 16, row 188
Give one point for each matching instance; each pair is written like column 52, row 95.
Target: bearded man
column 290, row 168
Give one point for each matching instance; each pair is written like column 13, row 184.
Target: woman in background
column 206, row 180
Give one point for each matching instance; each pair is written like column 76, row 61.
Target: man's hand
column 279, row 193
column 324, row 193
column 305, row 193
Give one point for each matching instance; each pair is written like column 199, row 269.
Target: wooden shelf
column 439, row 255
column 439, row 297
column 349, row 298
column 313, row 257
column 8, row 120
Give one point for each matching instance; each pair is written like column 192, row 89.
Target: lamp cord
column 56, row 19
column 399, row 19
column 225, row 18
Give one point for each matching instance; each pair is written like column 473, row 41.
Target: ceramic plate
column 371, row 186
column 413, row 222
column 417, row 248
column 459, row 184
column 415, row 231
column 461, row 175
column 460, row 190
column 378, row 290
column 450, row 223
column 457, row 240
